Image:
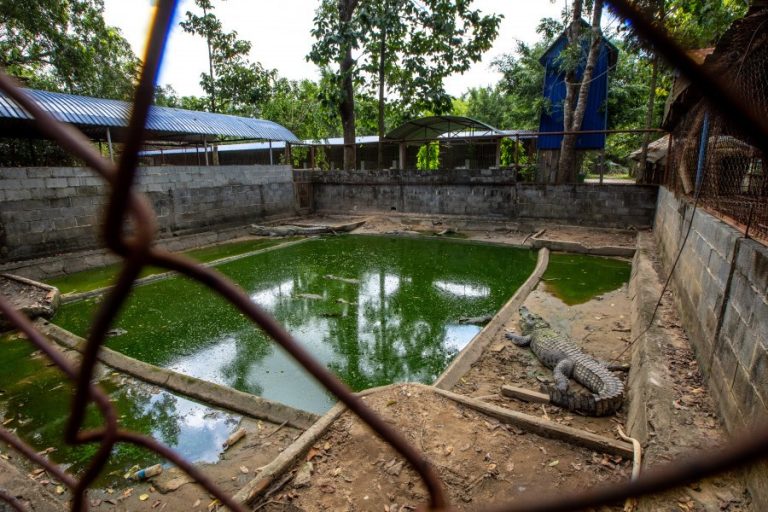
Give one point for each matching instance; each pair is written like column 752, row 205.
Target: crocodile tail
column 587, row 404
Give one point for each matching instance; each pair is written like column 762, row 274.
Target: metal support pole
column 205, row 150
column 109, row 144
column 498, row 153
column 402, row 155
column 703, row 144
column 271, row 161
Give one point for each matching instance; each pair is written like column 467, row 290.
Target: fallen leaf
column 59, row 489
column 144, row 497
column 312, row 453
column 553, row 463
column 244, row 470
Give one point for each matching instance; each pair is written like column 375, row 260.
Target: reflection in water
column 35, row 403
column 390, row 316
column 463, row 289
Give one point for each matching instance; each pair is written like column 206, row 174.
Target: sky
column 280, row 34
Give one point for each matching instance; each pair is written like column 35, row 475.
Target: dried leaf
column 144, row 497
column 553, row 463
column 59, row 489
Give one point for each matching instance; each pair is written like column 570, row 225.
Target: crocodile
column 567, row 360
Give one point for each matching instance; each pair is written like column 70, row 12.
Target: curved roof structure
column 94, row 115
column 429, row 128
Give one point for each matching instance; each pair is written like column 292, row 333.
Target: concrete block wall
column 490, row 193
column 721, row 290
column 45, row 211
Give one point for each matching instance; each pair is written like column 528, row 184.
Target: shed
column 596, row 115
column 101, row 118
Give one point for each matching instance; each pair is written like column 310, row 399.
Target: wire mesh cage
column 730, row 175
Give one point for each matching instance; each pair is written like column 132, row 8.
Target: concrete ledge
column 650, row 386
column 472, row 352
column 208, row 392
column 576, row 247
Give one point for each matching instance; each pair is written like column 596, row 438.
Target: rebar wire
column 137, row 251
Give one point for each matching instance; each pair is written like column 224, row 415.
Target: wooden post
column 215, row 154
column 498, row 152
column 288, row 153
column 311, row 157
column 205, row 150
column 109, row 144
column 402, row 155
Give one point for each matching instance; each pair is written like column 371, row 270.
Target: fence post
column 703, row 143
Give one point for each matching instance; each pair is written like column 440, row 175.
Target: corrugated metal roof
column 428, row 128
column 94, row 115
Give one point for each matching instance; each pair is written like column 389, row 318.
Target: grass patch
column 625, row 176
column 95, row 278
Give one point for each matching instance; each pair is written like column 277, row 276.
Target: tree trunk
column 347, row 103
column 571, row 86
column 382, row 52
column 210, row 67
column 640, row 175
column 566, row 171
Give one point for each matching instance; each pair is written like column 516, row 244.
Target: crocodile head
column 530, row 321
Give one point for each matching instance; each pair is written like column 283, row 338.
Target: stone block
column 55, row 182
column 759, row 372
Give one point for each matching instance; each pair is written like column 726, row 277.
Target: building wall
column 45, row 211
column 490, row 193
column 721, row 290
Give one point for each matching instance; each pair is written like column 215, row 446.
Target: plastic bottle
column 235, row 437
column 149, row 472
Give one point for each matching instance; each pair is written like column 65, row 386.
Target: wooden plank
column 526, row 395
column 545, row 428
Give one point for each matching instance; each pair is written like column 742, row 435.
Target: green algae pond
column 577, row 278
column 375, row 310
column 35, row 401
column 101, row 277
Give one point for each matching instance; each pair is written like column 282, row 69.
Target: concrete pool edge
column 472, row 352
column 209, row 393
column 75, row 297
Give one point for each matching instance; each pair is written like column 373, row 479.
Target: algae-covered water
column 35, row 401
column 92, row 279
column 576, row 278
column 375, row 310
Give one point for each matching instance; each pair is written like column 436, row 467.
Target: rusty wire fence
column 130, row 229
column 713, row 157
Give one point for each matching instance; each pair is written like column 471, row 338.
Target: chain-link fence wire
column 714, row 155
column 130, row 229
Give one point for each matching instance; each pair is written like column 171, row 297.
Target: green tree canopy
column 406, row 50
column 66, row 47
column 233, row 84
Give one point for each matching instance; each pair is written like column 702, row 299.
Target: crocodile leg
column 562, row 372
column 520, row 341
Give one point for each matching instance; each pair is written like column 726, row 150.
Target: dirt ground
column 479, row 460
column 590, row 237
column 32, row 300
